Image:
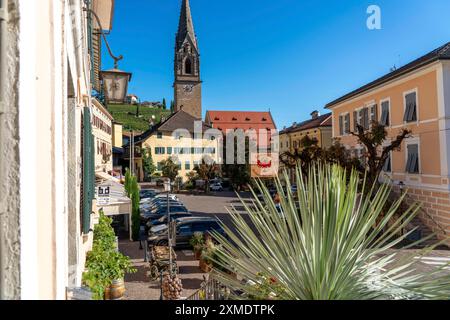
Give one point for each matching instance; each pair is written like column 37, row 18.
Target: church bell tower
column 187, row 85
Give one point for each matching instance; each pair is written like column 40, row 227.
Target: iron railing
column 211, row 289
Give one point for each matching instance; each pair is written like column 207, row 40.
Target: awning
column 103, row 176
column 118, row 203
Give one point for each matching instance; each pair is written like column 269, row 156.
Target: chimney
column 315, row 114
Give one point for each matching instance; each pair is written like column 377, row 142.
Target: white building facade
column 46, row 162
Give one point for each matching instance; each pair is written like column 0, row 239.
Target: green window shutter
column 341, row 126
column 88, row 170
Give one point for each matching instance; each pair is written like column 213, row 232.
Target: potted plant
column 105, row 265
column 197, row 242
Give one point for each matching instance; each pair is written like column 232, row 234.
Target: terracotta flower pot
column 205, row 267
column 197, row 254
column 107, row 293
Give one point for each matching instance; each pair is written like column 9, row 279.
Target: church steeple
column 186, row 26
column 187, row 85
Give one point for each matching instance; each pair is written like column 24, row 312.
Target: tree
column 376, row 154
column 324, row 247
column 172, row 106
column 148, row 164
column 307, row 153
column 135, row 208
column 164, row 105
column 169, row 169
column 207, row 171
column 127, row 181
column 239, row 174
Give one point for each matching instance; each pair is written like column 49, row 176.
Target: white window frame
column 411, row 141
column 380, row 111
column 405, row 93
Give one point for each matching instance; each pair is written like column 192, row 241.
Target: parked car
column 163, row 219
column 216, row 187
column 161, row 211
column 147, row 194
column 155, row 204
column 186, row 227
column 160, row 196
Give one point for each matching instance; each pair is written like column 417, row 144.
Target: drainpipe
column 3, row 19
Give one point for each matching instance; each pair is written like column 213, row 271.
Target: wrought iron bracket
column 115, row 58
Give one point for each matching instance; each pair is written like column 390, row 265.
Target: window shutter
column 412, row 165
column 341, row 126
column 374, row 113
column 88, row 170
column 385, row 113
column 355, row 121
column 366, row 118
column 347, row 123
column 387, row 164
column 411, row 107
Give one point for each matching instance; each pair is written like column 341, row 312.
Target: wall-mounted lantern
column 115, row 85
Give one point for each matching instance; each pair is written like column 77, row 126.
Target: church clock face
column 188, row 88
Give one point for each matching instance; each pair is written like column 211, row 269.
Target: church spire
column 186, row 26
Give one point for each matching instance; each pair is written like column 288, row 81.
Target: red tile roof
column 255, row 118
column 245, row 120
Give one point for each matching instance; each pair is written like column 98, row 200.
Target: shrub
column 104, row 263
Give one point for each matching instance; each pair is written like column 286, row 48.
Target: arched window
column 188, row 66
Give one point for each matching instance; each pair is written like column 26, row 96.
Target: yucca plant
column 330, row 241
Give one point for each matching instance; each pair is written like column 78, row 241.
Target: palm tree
column 330, row 244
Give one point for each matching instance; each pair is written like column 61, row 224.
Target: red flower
column 273, row 280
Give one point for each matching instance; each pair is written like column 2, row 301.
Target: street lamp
column 115, row 84
column 167, row 187
column 115, row 81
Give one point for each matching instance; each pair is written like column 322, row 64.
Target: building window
column 387, row 167
column 373, row 113
column 361, row 117
column 160, row 150
column 410, row 107
column 188, row 66
column 344, row 124
column 169, row 150
column 159, row 135
column 159, row 166
column 385, row 121
column 412, row 164
column 187, row 165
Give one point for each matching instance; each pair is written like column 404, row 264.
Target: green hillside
column 126, row 115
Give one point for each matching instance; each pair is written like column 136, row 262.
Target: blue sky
column 289, row 56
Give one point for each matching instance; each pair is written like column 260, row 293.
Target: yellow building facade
column 174, row 138
column 415, row 97
column 319, row 127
